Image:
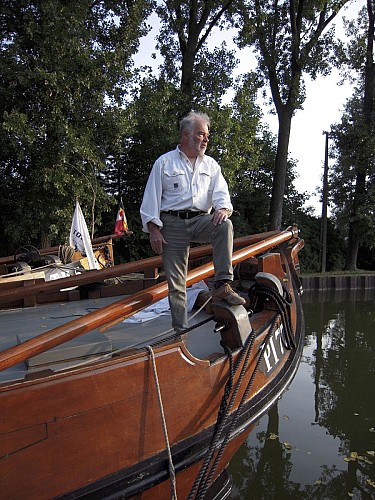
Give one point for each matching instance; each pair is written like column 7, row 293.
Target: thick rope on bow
column 204, row 487
column 283, row 303
column 201, row 482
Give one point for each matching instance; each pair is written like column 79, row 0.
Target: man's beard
column 193, row 145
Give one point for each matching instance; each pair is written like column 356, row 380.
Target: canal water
column 318, row 441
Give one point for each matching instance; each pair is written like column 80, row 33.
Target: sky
column 322, row 108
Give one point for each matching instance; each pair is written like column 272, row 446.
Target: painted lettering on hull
column 274, row 352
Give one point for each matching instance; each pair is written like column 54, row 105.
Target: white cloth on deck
column 161, row 307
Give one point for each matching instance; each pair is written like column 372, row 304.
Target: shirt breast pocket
column 175, row 181
column 205, row 184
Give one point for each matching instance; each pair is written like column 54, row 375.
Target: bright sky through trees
column 322, row 108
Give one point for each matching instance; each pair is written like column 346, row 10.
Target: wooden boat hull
column 118, row 444
column 96, row 431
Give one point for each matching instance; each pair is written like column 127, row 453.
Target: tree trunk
column 199, row 24
column 45, row 240
column 368, row 100
column 352, row 250
column 187, row 78
column 355, row 224
column 278, row 186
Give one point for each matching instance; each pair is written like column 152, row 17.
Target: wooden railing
column 126, row 307
column 150, row 266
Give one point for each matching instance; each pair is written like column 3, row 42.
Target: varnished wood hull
column 87, row 433
column 97, row 430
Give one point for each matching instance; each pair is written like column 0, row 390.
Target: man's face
column 197, row 140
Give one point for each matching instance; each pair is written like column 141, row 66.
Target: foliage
column 154, row 131
column 353, row 173
column 78, row 121
column 64, row 67
column 353, row 148
column 182, row 42
column 349, row 52
column 289, row 38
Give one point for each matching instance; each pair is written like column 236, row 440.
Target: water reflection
column 319, row 440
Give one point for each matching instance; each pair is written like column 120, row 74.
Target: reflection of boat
column 129, row 409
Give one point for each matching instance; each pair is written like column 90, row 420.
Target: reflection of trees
column 343, row 364
column 345, row 380
column 332, row 485
column 269, row 466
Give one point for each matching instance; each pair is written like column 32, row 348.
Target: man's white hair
column 188, row 121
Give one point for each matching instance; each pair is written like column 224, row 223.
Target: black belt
column 185, row 214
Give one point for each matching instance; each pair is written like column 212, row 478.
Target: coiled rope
column 283, row 304
column 65, row 253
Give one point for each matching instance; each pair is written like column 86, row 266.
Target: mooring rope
column 283, row 304
column 171, row 470
column 228, row 388
column 223, row 415
column 209, row 475
column 210, row 463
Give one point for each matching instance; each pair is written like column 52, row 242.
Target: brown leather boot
column 225, row 292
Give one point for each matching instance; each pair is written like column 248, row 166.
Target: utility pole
column 323, row 230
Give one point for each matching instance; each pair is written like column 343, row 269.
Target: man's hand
column 156, row 238
column 219, row 216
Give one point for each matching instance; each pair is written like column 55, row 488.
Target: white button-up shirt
column 173, row 184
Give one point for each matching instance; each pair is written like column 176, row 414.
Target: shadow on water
column 318, row 441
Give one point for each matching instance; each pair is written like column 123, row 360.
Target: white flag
column 80, row 238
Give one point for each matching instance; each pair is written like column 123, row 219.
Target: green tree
column 152, row 112
column 290, row 39
column 354, row 144
column 352, row 179
column 182, row 41
column 246, row 150
column 65, row 69
column 234, row 142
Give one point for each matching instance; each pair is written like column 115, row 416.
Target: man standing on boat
column 183, row 187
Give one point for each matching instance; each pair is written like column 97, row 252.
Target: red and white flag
column 121, row 225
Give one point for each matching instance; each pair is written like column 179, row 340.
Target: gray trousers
column 179, row 233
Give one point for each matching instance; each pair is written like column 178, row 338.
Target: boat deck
column 18, row 325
